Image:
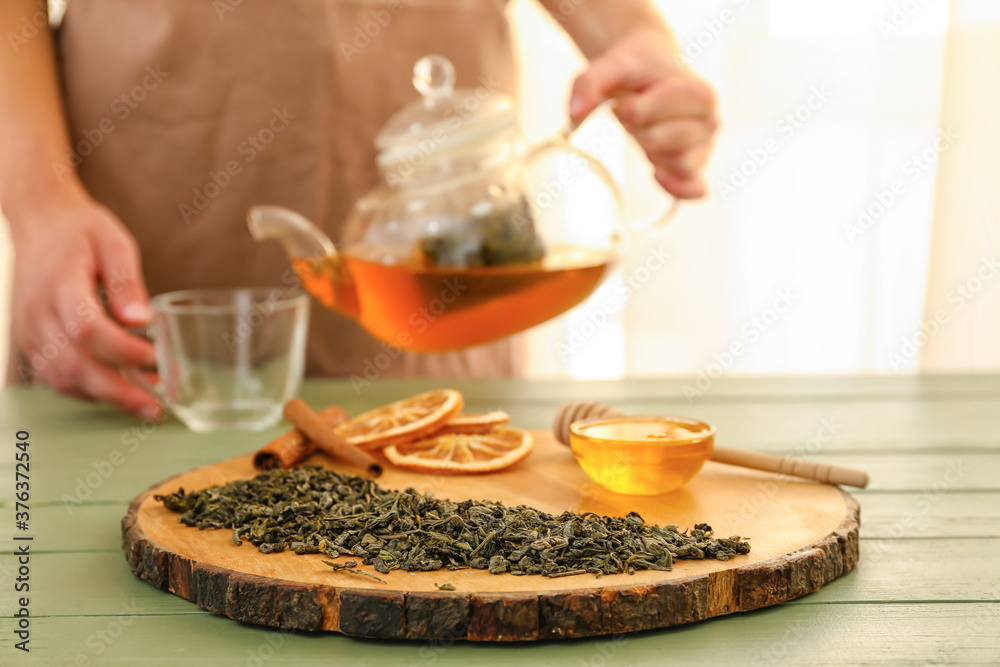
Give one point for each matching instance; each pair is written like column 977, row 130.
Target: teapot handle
column 562, row 141
column 661, row 221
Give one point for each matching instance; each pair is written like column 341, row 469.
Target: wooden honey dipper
column 821, row 472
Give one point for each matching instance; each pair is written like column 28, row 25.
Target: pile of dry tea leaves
column 315, row 510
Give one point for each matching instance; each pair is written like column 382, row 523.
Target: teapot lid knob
column 434, row 78
column 482, row 112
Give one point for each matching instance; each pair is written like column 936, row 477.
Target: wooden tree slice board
column 803, row 535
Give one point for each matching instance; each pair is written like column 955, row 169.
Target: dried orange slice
column 409, row 419
column 482, row 422
column 463, row 453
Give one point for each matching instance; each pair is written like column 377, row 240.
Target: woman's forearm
column 33, row 131
column 596, row 24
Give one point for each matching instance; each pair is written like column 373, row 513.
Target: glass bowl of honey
column 641, row 455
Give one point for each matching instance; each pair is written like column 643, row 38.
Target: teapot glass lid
column 444, row 116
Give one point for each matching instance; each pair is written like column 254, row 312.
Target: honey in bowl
column 640, row 455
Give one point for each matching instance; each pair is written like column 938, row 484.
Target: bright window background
column 781, row 228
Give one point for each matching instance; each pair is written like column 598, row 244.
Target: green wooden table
column 926, row 591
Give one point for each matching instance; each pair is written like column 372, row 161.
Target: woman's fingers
column 673, row 136
column 618, row 70
column 681, row 173
column 75, row 373
column 85, row 320
column 669, row 109
column 682, row 187
column 676, row 96
column 119, row 270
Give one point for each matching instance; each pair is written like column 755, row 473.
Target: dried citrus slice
column 482, row 422
column 458, row 453
column 409, row 419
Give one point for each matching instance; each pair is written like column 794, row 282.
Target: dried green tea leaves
column 350, row 567
column 315, row 510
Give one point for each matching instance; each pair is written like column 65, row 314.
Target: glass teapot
column 472, row 236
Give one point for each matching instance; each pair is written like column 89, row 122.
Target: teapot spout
column 300, row 238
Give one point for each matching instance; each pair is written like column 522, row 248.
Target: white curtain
column 961, row 329
column 811, row 254
column 847, row 129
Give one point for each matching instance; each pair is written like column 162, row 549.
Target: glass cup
column 228, row 359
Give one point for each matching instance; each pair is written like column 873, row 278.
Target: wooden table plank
column 818, row 635
column 23, row 406
column 58, row 528
column 920, row 515
column 924, row 593
column 88, row 583
column 887, row 570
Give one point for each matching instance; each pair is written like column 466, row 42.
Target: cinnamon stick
column 307, row 421
column 294, row 447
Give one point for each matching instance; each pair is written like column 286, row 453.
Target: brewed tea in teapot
column 459, row 245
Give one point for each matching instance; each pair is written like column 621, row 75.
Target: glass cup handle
column 135, row 375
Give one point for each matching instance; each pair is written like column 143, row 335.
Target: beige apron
column 201, row 108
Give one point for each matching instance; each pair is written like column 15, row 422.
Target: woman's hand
column 74, row 262
column 669, row 109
